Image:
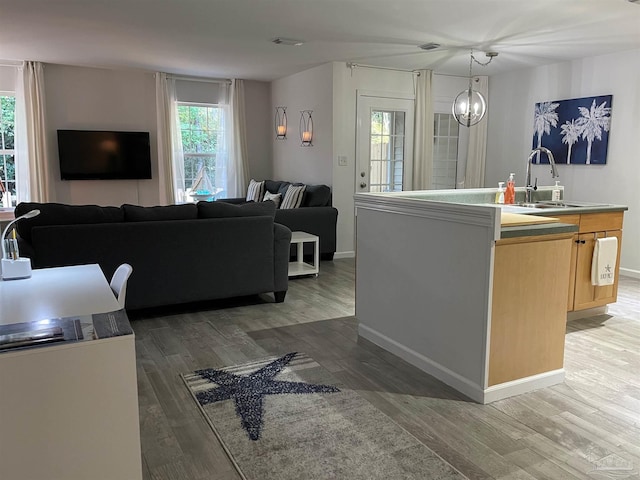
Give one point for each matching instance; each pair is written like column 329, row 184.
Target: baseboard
column 523, row 385
column 627, row 272
column 457, row 381
column 586, row 313
column 338, row 255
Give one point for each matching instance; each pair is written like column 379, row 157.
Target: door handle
column 362, row 184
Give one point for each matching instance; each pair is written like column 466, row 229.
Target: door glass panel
column 445, row 151
column 387, row 150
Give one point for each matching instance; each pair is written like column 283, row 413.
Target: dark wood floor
column 582, row 428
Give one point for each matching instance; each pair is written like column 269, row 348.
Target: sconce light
column 469, row 107
column 306, row 128
column 281, row 123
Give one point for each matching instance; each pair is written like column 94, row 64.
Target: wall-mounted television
column 102, row 155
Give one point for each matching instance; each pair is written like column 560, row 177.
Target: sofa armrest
column 281, row 243
column 320, row 221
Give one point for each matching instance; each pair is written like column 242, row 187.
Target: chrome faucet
column 554, row 173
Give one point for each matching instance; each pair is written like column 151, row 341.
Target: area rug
column 287, row 418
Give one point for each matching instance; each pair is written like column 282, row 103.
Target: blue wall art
column 575, row 130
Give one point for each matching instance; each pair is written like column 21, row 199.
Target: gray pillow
column 61, row 214
column 136, row 213
column 225, row 210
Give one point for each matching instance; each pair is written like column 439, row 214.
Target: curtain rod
column 201, row 79
column 358, row 65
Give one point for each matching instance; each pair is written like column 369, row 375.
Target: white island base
column 437, row 286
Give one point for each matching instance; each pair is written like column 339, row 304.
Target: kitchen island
column 474, row 294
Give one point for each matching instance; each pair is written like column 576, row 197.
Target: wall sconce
column 281, row 123
column 306, row 128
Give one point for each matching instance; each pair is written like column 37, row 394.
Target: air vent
column 287, row 41
column 429, row 46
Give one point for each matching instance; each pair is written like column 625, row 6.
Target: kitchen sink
column 561, row 204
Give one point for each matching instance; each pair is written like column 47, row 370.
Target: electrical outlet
column 342, row 160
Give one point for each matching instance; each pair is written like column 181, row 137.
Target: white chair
column 119, row 282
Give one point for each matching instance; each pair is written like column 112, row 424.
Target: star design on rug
column 248, row 391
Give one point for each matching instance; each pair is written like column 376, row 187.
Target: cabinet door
column 586, row 294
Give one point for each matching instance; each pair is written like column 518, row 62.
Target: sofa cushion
column 223, row 209
column 316, row 196
column 293, row 197
column 136, row 213
column 255, row 191
column 273, row 197
column 276, row 186
column 60, row 214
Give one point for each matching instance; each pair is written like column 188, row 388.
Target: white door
column 384, row 144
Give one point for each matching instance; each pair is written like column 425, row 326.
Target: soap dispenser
column 500, row 193
column 510, row 193
column 556, row 193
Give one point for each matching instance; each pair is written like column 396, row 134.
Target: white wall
column 260, row 132
column 103, row 99
column 513, row 96
column 308, row 90
column 346, row 83
column 100, row 99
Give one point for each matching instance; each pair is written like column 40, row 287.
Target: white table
column 67, row 410
column 299, row 266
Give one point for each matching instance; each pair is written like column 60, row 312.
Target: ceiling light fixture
column 469, row 107
column 287, row 41
column 429, row 46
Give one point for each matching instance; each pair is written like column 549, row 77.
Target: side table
column 299, row 266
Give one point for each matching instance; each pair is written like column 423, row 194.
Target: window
column 387, row 151
column 202, row 128
column 445, row 151
column 7, row 153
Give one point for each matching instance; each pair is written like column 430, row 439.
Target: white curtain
column 238, row 171
column 423, row 136
column 170, row 158
column 476, row 155
column 33, row 181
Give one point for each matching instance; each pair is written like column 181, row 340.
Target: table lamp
column 14, row 267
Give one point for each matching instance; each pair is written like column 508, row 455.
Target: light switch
column 342, row 160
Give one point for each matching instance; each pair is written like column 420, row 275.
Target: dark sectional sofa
column 179, row 253
column 315, row 215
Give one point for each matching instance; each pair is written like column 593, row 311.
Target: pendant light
column 470, row 106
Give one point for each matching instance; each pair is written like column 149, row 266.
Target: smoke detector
column 287, row 41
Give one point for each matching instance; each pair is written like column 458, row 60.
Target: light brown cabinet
column 582, row 294
column 528, row 313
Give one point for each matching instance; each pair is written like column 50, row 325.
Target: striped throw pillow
column 293, row 197
column 255, row 191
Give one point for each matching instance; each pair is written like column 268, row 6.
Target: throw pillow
column 293, row 197
column 255, row 191
column 316, row 196
column 225, row 210
column 61, row 214
column 274, row 197
column 136, row 213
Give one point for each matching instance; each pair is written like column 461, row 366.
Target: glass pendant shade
column 469, row 107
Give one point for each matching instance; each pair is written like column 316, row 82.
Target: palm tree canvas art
column 575, row 130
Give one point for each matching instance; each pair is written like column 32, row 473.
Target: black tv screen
column 100, row 155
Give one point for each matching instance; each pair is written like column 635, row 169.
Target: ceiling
column 232, row 38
